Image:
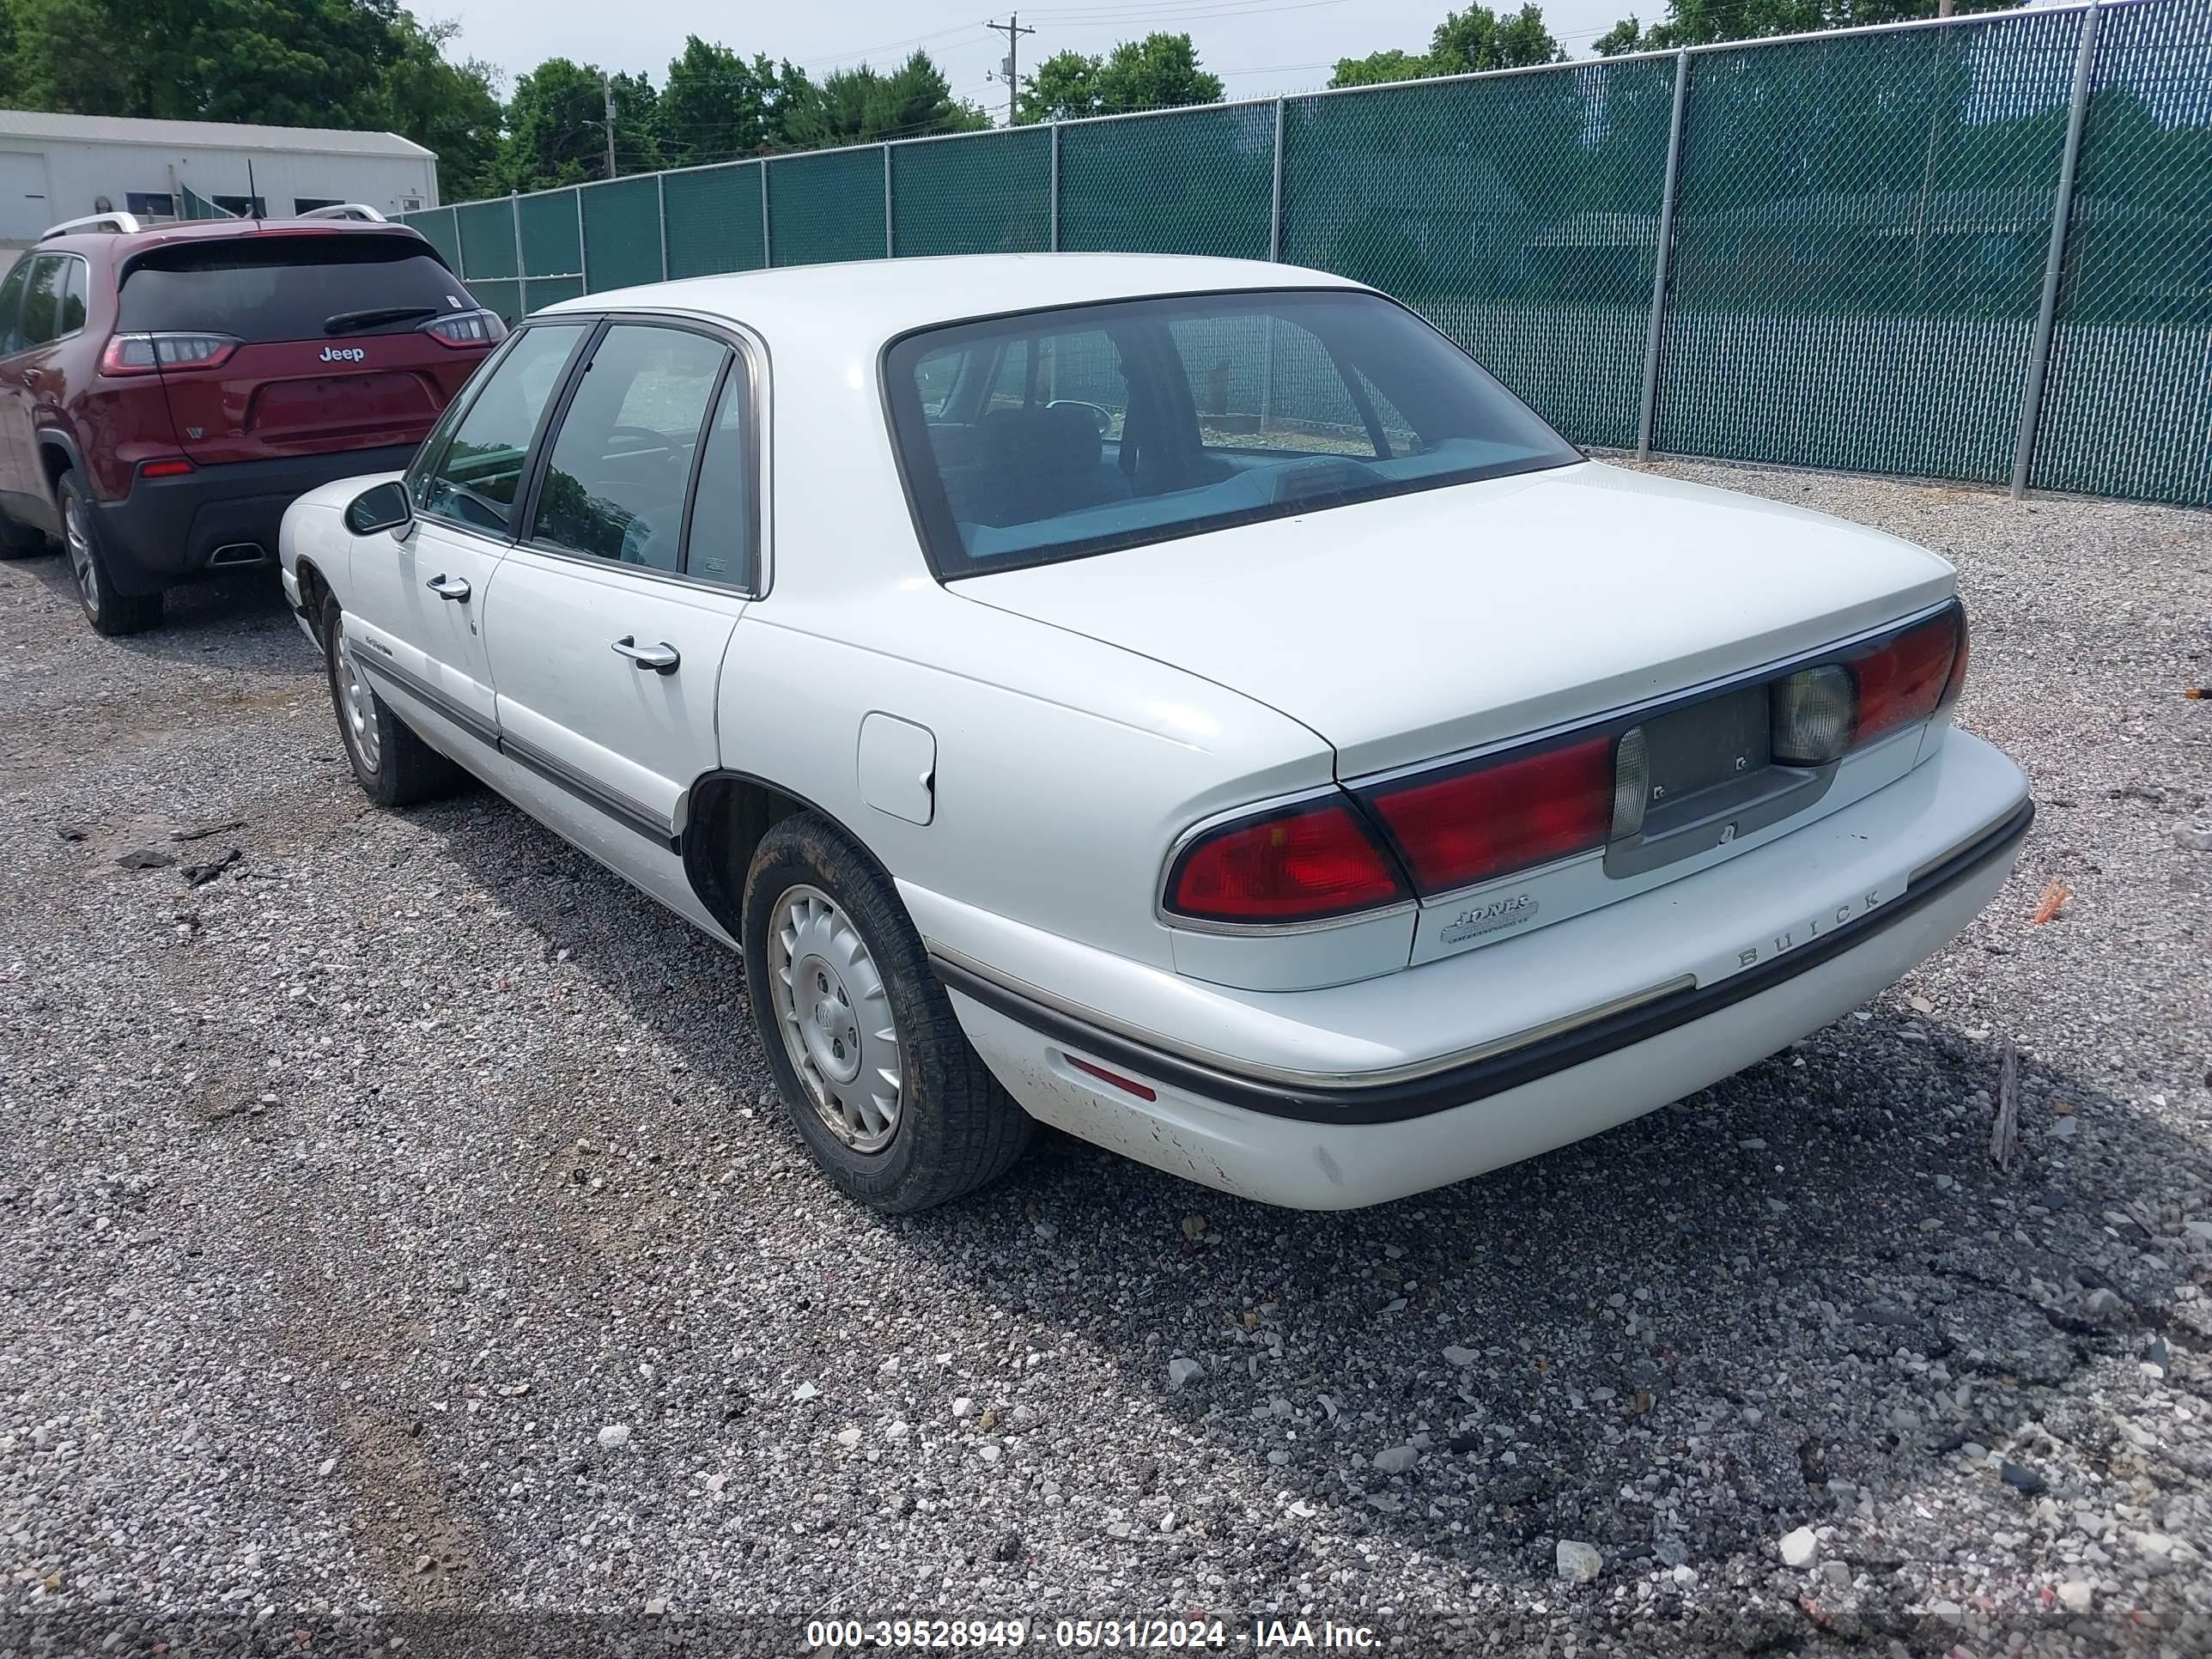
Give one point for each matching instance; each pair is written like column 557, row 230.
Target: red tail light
column 466, row 328
column 175, row 467
column 147, row 353
column 1500, row 815
column 1910, row 677
column 1302, row 865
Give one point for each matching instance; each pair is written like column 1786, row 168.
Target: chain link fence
column 1979, row 249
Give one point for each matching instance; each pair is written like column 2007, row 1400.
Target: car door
column 53, row 315
column 609, row 618
column 415, row 596
column 16, row 473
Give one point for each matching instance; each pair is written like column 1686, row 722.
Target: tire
column 110, row 612
column 393, row 766
column 949, row 1128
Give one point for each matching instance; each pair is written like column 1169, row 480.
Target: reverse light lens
column 1905, row 679
column 1812, row 712
column 1304, row 864
column 1502, row 816
column 148, row 354
column 466, row 328
column 1631, row 784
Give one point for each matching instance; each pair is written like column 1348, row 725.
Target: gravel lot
column 396, row 1225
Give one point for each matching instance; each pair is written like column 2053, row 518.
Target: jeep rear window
column 1057, row 435
column 289, row 288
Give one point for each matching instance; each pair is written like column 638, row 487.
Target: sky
column 1258, row 47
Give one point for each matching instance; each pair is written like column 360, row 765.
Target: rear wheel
column 109, row 612
column 895, row 1105
column 394, row 766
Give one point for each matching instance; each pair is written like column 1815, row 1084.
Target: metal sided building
column 55, row 166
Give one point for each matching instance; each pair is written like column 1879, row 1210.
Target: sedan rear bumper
column 1324, row 1142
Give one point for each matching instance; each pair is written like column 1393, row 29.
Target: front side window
column 1059, row 434
column 621, row 463
column 474, row 480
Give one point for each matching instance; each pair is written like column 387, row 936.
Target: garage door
column 24, row 209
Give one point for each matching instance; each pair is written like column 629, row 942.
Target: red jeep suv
column 166, row 393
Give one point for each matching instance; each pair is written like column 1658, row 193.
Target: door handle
column 662, row 658
column 449, row 587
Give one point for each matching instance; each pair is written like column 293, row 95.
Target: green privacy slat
column 2128, row 404
column 715, row 220
column 1860, row 238
column 622, row 233
column 436, row 225
column 552, row 245
column 826, row 206
column 988, row 193
column 1185, row 181
column 503, row 296
column 488, row 239
column 539, row 292
column 1520, row 215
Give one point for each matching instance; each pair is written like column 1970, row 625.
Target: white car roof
column 878, row 299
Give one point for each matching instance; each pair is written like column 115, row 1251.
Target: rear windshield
column 291, row 287
column 1060, row 433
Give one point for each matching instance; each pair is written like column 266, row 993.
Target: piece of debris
column 2004, row 1134
column 2025, row 1482
column 2054, row 898
column 201, row 831
column 1577, row 1563
column 201, row 874
column 71, row 831
column 146, row 857
column 1799, row 1548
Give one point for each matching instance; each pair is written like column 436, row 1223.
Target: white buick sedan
column 1185, row 702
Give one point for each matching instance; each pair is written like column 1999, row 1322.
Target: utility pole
column 607, row 87
column 1009, row 67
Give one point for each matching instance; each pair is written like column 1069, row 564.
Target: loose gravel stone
column 518, row 1135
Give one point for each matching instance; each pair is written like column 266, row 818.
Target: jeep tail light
column 147, row 353
column 1908, row 677
column 1501, row 815
column 466, row 328
column 1302, row 864
column 1814, row 712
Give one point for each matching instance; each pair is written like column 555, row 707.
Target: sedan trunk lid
column 1421, row 625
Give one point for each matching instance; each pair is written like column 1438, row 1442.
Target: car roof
column 879, row 299
column 123, row 243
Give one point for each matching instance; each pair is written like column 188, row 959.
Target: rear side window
column 290, row 288
column 42, row 299
column 614, row 483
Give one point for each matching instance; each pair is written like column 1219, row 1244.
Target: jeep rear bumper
column 168, row 531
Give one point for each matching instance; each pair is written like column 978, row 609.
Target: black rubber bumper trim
column 627, row 813
column 1391, row 1103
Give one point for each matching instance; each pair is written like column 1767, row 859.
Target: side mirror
column 384, row 508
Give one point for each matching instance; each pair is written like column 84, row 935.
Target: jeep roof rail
column 122, row 223
column 361, row 210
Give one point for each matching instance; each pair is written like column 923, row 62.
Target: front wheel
column 391, row 764
column 881, row 1082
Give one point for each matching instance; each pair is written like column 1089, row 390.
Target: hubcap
column 78, row 539
column 357, row 708
column 835, row 1018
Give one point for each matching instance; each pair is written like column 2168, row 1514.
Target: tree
column 556, row 132
column 1476, row 39
column 1701, row 22
column 1378, row 67
column 449, row 107
column 1160, row 71
column 862, row 106
column 1479, row 39
column 714, row 105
